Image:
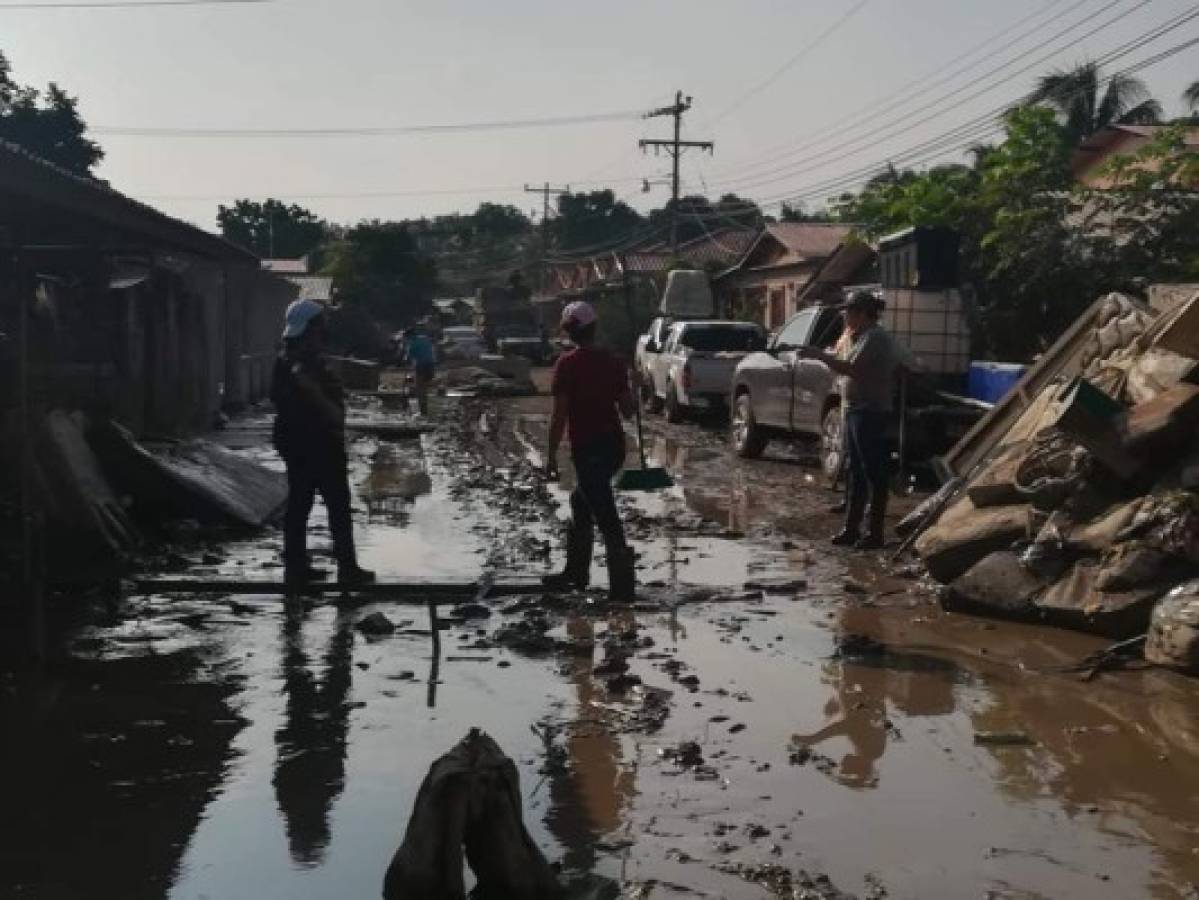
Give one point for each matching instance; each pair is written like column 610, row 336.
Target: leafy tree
column 1147, row 221
column 590, row 219
column 272, row 229
column 798, row 213
column 1085, row 107
column 46, row 123
column 1191, row 97
column 380, row 270
column 495, row 222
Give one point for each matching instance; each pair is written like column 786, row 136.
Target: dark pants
column 306, row 475
column 868, row 464
column 592, row 502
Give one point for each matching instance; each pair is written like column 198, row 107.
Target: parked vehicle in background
column 695, row 366
column 461, row 342
column 777, row 394
column 649, row 346
column 533, row 347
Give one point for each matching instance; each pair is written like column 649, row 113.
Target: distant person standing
column 591, row 394
column 869, row 369
column 309, row 434
column 420, row 353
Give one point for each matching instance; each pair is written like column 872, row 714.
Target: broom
column 645, row 478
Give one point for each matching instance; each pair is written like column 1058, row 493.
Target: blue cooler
column 991, row 381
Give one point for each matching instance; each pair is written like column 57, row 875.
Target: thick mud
column 775, row 720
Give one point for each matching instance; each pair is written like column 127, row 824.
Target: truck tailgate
column 712, row 372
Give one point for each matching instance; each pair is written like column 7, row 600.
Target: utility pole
column 675, row 148
column 546, row 190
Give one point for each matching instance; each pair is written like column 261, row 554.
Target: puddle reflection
column 589, row 800
column 310, row 770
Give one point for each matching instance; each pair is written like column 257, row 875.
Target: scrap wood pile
column 1077, row 501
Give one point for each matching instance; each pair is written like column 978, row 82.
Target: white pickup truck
column 692, row 367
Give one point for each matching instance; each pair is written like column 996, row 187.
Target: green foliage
column 589, row 219
column 1190, row 96
column 1085, row 106
column 272, row 229
column 380, row 270
column 797, row 213
column 46, row 123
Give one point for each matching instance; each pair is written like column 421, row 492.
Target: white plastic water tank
column 688, row 295
column 933, row 325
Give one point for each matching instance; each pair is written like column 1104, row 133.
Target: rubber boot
column 576, row 574
column 350, row 574
column 873, row 539
column 622, row 586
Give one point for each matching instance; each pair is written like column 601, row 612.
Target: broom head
column 644, row 480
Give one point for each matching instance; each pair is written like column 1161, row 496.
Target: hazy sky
column 386, row 63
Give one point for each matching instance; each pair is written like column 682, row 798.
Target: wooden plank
column 1061, row 358
column 420, row 589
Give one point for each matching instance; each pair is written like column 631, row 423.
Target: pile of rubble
column 1075, row 502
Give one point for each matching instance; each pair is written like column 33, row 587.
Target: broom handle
column 628, row 309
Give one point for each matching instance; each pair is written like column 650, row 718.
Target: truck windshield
column 717, row 338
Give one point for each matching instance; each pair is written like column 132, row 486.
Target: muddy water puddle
column 813, row 717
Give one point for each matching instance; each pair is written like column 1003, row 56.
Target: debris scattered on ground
column 469, row 808
column 1079, row 512
column 1003, row 739
column 376, row 625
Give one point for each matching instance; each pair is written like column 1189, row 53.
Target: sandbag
column 965, row 534
column 470, row 801
column 998, row 585
column 1173, row 639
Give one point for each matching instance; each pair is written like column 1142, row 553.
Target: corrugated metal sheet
column 314, row 287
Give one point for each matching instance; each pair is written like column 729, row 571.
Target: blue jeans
column 868, row 464
column 592, row 502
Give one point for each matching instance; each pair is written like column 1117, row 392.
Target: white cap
column 299, row 314
column 579, row 314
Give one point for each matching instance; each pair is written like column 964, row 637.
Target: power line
column 938, row 77
column 675, row 147
column 125, row 4
column 783, row 69
column 359, row 131
column 903, row 124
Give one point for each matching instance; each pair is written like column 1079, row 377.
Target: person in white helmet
column 309, row 434
column 591, row 394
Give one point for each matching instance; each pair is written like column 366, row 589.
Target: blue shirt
column 419, row 350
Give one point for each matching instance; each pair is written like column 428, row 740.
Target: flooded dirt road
column 775, row 720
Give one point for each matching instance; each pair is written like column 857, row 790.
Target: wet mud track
column 773, row 721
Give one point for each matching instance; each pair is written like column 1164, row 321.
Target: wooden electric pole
column 546, row 190
column 675, row 147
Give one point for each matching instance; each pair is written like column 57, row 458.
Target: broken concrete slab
column 997, row 585
column 965, row 534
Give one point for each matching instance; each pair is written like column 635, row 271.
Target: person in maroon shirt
column 591, row 394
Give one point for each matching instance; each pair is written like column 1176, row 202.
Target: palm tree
column 1086, row 106
column 1191, row 96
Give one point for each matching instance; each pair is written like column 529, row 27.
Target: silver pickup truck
column 776, row 394
column 694, row 366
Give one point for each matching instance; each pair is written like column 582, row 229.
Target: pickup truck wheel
column 674, row 409
column 832, row 444
column 749, row 440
